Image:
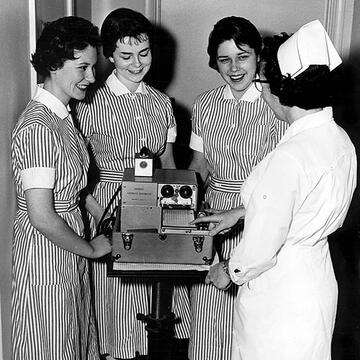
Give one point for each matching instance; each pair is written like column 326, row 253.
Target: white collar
column 52, row 102
column 118, row 88
column 251, row 94
column 308, row 122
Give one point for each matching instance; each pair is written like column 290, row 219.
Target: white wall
column 355, row 40
column 190, row 22
column 14, row 94
column 100, row 9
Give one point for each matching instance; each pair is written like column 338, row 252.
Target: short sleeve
column 196, row 118
column 196, row 141
column 38, row 178
column 35, row 156
column 171, row 134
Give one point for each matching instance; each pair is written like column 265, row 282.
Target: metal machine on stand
column 152, row 238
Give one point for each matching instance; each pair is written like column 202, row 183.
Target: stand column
column 160, row 323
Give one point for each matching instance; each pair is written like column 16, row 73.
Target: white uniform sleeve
column 171, row 134
column 268, row 218
column 196, row 143
column 197, row 118
column 38, row 178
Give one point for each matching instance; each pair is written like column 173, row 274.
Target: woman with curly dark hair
column 51, row 312
column 297, row 196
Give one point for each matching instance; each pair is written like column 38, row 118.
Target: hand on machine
column 221, row 222
column 202, row 212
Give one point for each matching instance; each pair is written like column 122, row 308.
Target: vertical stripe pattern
column 236, row 136
column 51, row 307
column 117, row 127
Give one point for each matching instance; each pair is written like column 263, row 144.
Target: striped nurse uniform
column 51, row 312
column 117, row 124
column 234, row 135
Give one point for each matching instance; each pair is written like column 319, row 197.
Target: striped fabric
column 110, row 176
column 222, row 185
column 51, row 309
column 234, row 136
column 117, row 126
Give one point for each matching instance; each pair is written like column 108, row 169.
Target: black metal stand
column 160, row 323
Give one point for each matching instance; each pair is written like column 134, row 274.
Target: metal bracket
column 198, row 243
column 127, row 240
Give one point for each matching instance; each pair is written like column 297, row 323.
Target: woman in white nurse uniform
column 297, row 196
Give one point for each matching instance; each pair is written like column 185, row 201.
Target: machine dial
column 167, row 191
column 185, row 192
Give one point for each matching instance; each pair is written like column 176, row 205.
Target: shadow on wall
column 160, row 76
column 345, row 244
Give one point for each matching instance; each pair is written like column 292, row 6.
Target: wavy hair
column 121, row 23
column 58, row 41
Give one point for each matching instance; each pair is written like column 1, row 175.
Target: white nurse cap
column 310, row 45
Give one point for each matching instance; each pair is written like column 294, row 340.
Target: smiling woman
column 119, row 118
column 132, row 60
column 237, row 66
column 51, row 312
column 72, row 80
column 233, row 129
column 67, row 71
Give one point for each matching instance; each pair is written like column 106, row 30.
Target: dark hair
column 124, row 22
column 58, row 41
column 309, row 90
column 239, row 29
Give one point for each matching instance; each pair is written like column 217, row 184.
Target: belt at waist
column 225, row 185
column 60, row 206
column 111, row 175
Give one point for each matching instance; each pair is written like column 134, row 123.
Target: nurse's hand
column 222, row 221
column 219, row 276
